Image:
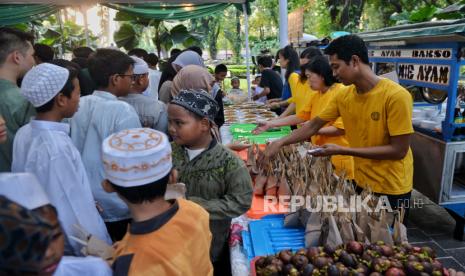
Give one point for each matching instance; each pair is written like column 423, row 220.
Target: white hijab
column 188, row 58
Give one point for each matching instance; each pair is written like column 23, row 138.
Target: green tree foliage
column 210, row 27
column 142, row 32
column 62, row 38
column 232, row 31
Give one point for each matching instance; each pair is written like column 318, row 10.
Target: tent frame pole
column 247, row 49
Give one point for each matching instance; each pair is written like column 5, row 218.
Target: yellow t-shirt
column 300, row 91
column 370, row 120
column 176, row 242
column 317, row 103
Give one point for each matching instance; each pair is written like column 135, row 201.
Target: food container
column 428, row 124
column 430, row 112
column 417, row 121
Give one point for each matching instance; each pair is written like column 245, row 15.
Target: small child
column 164, row 237
column 215, row 177
column 235, row 94
column 257, row 89
column 43, row 147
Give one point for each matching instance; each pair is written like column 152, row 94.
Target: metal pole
column 247, row 49
column 283, row 40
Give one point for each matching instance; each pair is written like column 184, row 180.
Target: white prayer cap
column 140, row 66
column 43, row 82
column 24, row 189
column 137, row 156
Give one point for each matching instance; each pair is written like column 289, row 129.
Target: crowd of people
column 113, row 166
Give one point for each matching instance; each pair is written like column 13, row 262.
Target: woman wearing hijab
column 182, row 60
column 197, row 77
column 187, row 58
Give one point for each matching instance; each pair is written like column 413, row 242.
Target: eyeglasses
column 133, row 77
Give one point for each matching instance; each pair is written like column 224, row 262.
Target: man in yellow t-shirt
column 376, row 114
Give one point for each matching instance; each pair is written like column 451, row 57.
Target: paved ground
column 432, row 226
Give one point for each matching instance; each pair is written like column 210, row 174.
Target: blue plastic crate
column 268, row 236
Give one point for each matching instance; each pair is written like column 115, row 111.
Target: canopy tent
column 11, row 14
column 444, row 30
column 20, row 11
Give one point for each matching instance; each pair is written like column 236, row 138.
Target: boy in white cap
column 100, row 115
column 25, row 190
column 44, row 148
column 164, row 237
column 152, row 112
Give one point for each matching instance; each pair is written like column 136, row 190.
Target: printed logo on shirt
column 375, row 116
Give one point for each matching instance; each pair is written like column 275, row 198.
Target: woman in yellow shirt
column 299, row 90
column 321, row 80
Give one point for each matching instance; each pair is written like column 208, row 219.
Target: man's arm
column 331, row 131
column 396, row 149
column 266, row 91
column 302, row 134
column 279, row 122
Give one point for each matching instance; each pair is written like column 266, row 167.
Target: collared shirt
column 152, row 113
column 100, row 115
column 45, row 149
column 176, row 242
column 17, row 112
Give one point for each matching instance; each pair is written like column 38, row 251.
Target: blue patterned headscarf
column 198, row 102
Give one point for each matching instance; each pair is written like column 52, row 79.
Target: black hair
column 309, row 53
column 66, row 63
column 105, row 63
column 320, row 65
column 67, row 88
column 347, row 46
column 12, row 40
column 167, row 71
column 196, row 49
column 265, row 61
column 152, row 59
column 175, row 52
column 82, row 52
column 138, row 52
column 220, row 68
column 293, row 60
column 83, row 62
column 145, row 193
column 44, row 52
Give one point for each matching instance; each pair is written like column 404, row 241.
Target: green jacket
column 17, row 112
column 218, row 181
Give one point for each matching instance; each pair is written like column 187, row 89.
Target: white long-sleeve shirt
column 45, row 149
column 100, row 115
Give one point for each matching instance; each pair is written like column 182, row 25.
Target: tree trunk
column 237, row 42
column 157, row 40
column 214, row 32
column 351, row 12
